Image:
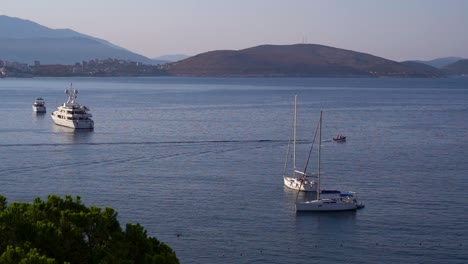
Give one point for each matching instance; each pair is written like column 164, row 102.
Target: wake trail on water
column 143, row 143
column 146, row 157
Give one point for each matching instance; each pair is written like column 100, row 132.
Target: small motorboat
column 39, row 105
column 339, row 138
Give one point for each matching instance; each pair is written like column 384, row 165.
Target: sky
column 396, row 29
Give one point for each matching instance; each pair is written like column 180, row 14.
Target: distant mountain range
column 26, row 41
column 440, row 63
column 172, row 57
column 424, row 67
column 299, row 60
column 450, row 66
column 459, row 68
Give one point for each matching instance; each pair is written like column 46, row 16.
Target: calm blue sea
column 198, row 162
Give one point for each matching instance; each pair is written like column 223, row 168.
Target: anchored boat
column 71, row 114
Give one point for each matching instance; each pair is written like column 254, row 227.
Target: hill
column 440, row 62
column 459, row 68
column 298, row 60
column 26, row 41
column 424, row 67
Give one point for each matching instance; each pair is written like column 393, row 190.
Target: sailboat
column 297, row 180
column 344, row 202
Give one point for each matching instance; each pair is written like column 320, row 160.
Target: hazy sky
column 393, row 29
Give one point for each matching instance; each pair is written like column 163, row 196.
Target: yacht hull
column 39, row 109
column 75, row 124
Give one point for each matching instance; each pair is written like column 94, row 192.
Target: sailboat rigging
column 345, row 201
column 297, row 180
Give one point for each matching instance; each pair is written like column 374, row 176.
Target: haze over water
column 198, row 162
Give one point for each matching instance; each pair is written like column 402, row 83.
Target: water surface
column 198, row 162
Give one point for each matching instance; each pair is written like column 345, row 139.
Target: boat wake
column 143, row 143
column 163, row 150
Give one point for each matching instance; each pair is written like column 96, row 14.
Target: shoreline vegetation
column 66, row 231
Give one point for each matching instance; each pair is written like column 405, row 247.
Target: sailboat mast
column 319, row 155
column 294, row 140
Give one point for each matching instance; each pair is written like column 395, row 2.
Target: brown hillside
column 457, row 68
column 299, row 60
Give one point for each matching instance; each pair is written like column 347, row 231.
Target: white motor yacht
column 39, row 105
column 71, row 114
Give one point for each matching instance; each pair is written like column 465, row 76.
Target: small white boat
column 297, row 180
column 39, row 105
column 71, row 114
column 345, row 202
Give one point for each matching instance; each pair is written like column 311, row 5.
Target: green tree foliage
column 66, row 231
column 18, row 255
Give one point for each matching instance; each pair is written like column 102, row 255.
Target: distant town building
column 96, row 67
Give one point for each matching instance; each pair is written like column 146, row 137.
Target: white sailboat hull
column 295, row 184
column 76, row 124
column 325, row 205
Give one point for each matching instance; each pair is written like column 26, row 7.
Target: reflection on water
column 328, row 231
column 326, row 217
column 70, row 135
column 38, row 116
column 341, row 225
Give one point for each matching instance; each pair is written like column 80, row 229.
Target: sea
column 198, row 162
